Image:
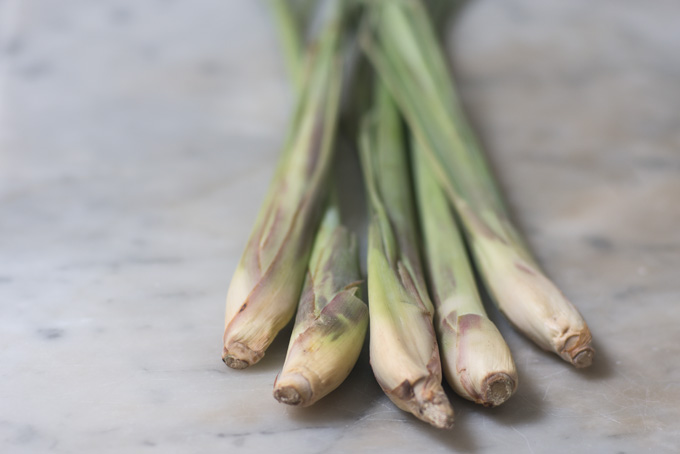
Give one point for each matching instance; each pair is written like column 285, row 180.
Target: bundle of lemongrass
column 427, row 185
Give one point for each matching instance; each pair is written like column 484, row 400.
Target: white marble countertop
column 136, row 142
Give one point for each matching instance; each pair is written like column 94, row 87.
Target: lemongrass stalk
column 331, row 320
column 266, row 285
column 291, row 18
column 403, row 48
column 476, row 360
column 403, row 346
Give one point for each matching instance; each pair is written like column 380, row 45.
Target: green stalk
column 266, row 285
column 331, row 320
column 402, row 46
column 403, row 346
column 476, row 360
column 291, row 18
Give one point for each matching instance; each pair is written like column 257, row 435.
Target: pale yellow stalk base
column 321, row 357
column 330, row 326
column 476, row 360
column 532, row 302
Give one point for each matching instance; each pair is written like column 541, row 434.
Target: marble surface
column 137, row 139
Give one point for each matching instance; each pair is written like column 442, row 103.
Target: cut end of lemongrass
column 293, row 389
column 288, row 395
column 577, row 349
column 234, row 363
column 239, row 356
column 580, row 357
column 437, row 411
column 584, row 358
column 497, row 388
column 426, row 400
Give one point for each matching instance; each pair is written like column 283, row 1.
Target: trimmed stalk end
column 583, row 357
column 497, row 388
column 234, row 363
column 577, row 349
column 240, row 356
column 293, row 389
column 426, row 400
column 437, row 411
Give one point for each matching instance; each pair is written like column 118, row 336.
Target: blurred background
column 138, row 138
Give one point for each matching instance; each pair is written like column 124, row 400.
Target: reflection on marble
column 136, row 142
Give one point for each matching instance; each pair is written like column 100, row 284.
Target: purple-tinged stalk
column 476, row 360
column 331, row 320
column 266, row 285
